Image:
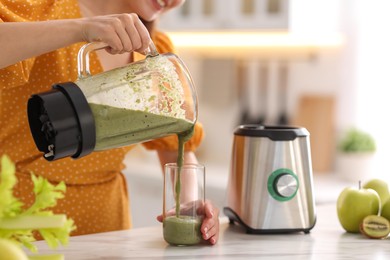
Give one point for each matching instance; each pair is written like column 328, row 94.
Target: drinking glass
column 183, row 203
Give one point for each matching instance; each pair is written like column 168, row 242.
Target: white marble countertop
column 327, row 240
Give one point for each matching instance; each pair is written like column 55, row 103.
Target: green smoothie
column 183, row 138
column 179, row 229
column 118, row 126
column 182, row 230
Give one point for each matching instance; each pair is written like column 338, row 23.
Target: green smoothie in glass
column 180, row 229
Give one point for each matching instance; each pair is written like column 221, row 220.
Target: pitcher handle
column 83, row 56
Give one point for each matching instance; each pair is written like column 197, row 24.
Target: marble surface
column 327, row 240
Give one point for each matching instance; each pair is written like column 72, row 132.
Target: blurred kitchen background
column 320, row 64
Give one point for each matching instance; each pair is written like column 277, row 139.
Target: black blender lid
column 275, row 133
column 61, row 122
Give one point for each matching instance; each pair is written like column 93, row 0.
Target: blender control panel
column 283, row 184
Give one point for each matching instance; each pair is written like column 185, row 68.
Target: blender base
column 233, row 217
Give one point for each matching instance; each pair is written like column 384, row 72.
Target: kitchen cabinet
column 232, row 14
column 327, row 240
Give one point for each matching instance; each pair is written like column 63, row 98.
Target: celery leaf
column 18, row 225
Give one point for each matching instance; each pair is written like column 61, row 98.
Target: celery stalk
column 18, row 224
column 33, row 222
column 46, row 257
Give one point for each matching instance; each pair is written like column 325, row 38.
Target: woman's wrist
column 30, row 39
column 72, row 30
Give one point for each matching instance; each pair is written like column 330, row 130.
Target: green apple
column 386, row 210
column 11, row 251
column 353, row 205
column 379, row 186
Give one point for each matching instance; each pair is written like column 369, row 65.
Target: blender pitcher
column 144, row 100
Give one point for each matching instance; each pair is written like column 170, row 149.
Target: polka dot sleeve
column 23, row 11
column 16, row 75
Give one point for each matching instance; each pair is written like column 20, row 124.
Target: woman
column 39, row 44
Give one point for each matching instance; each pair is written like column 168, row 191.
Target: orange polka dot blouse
column 96, row 197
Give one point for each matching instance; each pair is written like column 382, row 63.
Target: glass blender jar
column 141, row 101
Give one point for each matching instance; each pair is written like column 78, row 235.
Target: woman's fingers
column 210, row 225
column 121, row 32
column 123, row 35
column 212, row 235
column 144, row 36
column 210, row 230
column 135, row 39
column 207, row 225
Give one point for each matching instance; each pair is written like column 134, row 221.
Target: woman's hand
column 121, row 32
column 210, row 224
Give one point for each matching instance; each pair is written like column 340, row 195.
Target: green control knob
column 283, row 184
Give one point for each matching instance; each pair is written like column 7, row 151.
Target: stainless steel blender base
column 233, row 217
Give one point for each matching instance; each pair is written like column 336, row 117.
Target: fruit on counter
column 11, row 251
column 374, row 226
column 379, row 186
column 354, row 204
column 385, row 212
